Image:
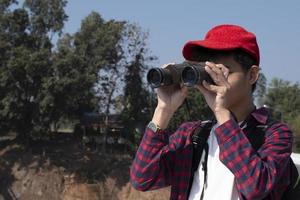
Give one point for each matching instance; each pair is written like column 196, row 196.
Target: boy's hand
column 169, row 99
column 216, row 96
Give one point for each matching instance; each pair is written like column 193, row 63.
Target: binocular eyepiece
column 188, row 73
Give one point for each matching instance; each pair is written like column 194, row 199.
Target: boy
column 235, row 170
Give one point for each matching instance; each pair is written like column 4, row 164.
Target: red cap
column 225, row 37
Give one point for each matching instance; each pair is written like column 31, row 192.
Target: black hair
column 243, row 58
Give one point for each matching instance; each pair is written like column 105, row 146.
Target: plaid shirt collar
column 261, row 115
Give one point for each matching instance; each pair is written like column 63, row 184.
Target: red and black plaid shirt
column 165, row 159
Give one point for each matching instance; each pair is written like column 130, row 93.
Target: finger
column 212, row 74
column 218, row 68
column 223, row 69
column 209, row 87
column 201, row 88
column 184, row 91
column 218, row 73
column 214, row 67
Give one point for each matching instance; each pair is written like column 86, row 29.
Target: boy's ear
column 253, row 74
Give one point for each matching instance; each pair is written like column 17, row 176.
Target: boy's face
column 240, row 81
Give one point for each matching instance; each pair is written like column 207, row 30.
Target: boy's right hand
column 169, row 98
column 172, row 96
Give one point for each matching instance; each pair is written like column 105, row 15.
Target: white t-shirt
column 220, row 182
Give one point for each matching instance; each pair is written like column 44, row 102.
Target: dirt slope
column 64, row 169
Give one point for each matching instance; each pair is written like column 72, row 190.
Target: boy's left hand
column 216, row 95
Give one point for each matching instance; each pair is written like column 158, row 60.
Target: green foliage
column 98, row 42
column 137, row 100
column 46, row 16
column 84, row 63
column 26, row 66
column 284, row 97
column 39, row 86
column 295, row 125
column 4, row 5
column 70, row 87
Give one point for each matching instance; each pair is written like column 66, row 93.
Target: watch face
column 152, row 126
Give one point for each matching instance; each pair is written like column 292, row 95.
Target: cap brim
column 189, row 46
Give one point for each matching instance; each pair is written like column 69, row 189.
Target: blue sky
column 171, row 23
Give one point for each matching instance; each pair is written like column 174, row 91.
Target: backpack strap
column 199, row 140
column 293, row 190
column 257, row 131
column 205, row 170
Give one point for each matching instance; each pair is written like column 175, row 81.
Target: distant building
column 100, row 121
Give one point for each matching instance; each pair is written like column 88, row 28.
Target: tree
column 26, row 62
column 70, row 88
column 107, row 49
column 47, row 18
column 41, row 85
column 99, row 43
column 137, row 99
column 295, row 125
column 283, row 98
column 84, row 62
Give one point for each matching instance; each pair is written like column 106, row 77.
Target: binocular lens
column 154, row 77
column 189, row 76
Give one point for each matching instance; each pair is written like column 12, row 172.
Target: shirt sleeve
column 256, row 172
column 156, row 157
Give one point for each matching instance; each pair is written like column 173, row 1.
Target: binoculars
column 188, row 73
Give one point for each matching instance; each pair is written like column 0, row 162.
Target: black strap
column 188, row 109
column 205, row 170
column 199, row 140
column 293, row 191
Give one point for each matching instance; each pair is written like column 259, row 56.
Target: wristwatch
column 154, row 127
